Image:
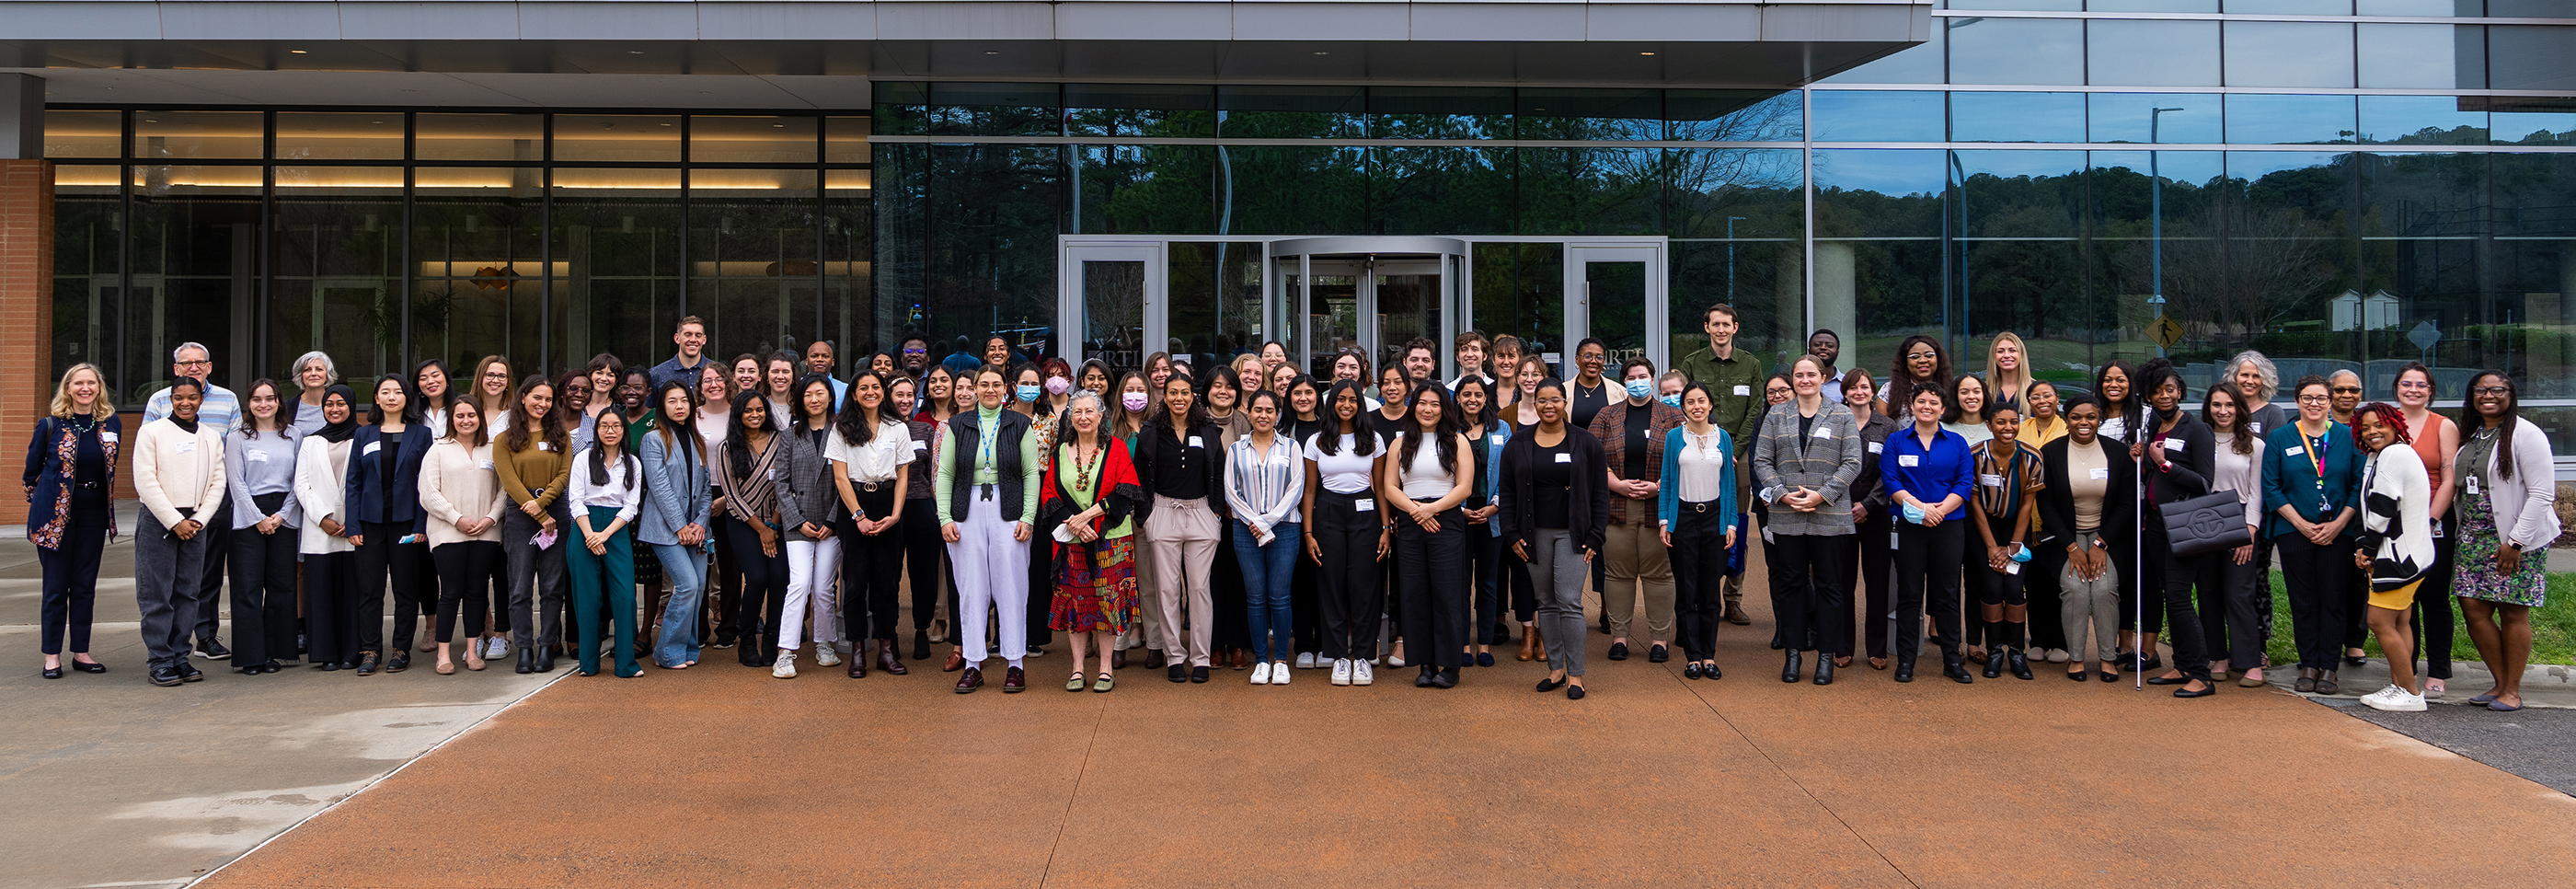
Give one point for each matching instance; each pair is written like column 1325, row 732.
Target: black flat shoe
column 1574, row 692
column 1423, row 679
column 1198, row 674
column 1789, row 667
column 94, row 667
column 1618, row 651
column 164, row 677
column 1690, row 671
column 2168, row 680
column 1824, row 670
column 2207, row 688
column 1710, row 671
column 54, row 672
column 329, row 666
column 1177, row 672
column 399, row 662
column 2079, row 675
column 1659, row 654
column 2106, row 675
column 1546, row 685
column 1444, row 678
column 545, row 659
column 1905, row 669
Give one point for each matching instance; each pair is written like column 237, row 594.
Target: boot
column 1538, row 644
column 527, row 661
column 858, row 658
column 1956, row 667
column 1904, row 668
column 1789, row 667
column 2020, row 664
column 545, row 659
column 1995, row 662
column 1529, row 642
column 888, row 661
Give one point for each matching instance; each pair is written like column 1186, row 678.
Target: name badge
column 1895, row 539
column 1908, row 460
column 2472, row 482
column 921, row 446
column 108, row 437
column 2174, row 444
column 485, row 465
column 1744, row 390
column 1364, row 505
column 2101, row 473
column 254, row 456
column 1500, row 438
column 2257, row 426
column 1823, row 432
column 1194, row 442
column 2296, row 450
column 1877, row 447
column 371, row 448
column 187, row 447
column 545, row 445
column 1569, row 458
column 1990, row 480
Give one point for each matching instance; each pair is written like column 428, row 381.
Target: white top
column 712, row 427
column 1346, row 472
column 457, row 483
column 2242, row 473
column 178, row 474
column 1704, row 465
column 621, row 493
column 320, row 469
column 1424, row 480
column 436, row 420
column 888, row 450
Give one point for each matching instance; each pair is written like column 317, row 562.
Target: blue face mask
column 1641, row 388
column 1914, row 513
column 1673, row 400
column 2021, row 553
column 1028, row 393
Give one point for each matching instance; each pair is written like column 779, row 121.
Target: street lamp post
column 2156, row 212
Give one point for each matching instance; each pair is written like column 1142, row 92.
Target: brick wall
column 26, row 310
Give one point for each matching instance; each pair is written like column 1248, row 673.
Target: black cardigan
column 2187, row 471
column 1159, row 457
column 1588, row 503
column 2057, row 502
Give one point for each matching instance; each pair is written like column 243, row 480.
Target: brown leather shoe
column 1242, row 659
column 1118, row 659
column 1539, row 648
column 1735, row 614
column 971, row 680
column 1154, row 659
column 888, row 661
column 1014, row 681
column 858, row 661
column 1529, row 642
column 956, row 659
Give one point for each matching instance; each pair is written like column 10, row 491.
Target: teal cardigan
column 2289, row 479
column 1668, row 499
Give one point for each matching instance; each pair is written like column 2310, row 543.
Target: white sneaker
column 1305, row 660
column 786, row 666
column 499, row 648
column 1341, row 671
column 2394, row 699
column 1261, row 673
column 825, row 655
column 1279, row 672
column 1361, row 674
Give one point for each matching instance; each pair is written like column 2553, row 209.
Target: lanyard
column 2317, row 453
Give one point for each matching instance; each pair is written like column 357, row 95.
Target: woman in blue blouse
column 1928, row 471
column 2310, row 473
column 71, row 468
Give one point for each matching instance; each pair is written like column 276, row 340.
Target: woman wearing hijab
column 321, row 490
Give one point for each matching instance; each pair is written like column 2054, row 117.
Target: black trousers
column 2229, row 623
column 1485, row 559
column 764, row 590
column 464, row 578
column 1699, row 578
column 2181, row 574
column 1876, row 552
column 1432, row 580
column 2318, row 577
column 1349, row 578
column 1042, row 586
column 263, row 567
column 2434, row 624
column 415, row 586
column 922, row 552
column 210, row 586
column 1924, row 557
column 871, row 572
column 1995, row 587
column 330, row 607
column 71, row 574
column 1809, row 580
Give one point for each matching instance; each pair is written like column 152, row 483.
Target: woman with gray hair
column 2260, row 382
column 315, row 374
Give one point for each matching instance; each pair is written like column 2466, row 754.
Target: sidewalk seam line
column 1793, row 780
column 379, row 779
column 1066, row 822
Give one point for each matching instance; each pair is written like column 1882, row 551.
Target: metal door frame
column 1072, row 323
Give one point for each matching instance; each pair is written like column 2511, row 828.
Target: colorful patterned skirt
column 2477, row 577
column 1095, row 587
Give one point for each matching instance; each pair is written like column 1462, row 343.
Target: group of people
column 1260, row 515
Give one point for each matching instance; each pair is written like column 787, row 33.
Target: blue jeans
column 1267, row 571
column 687, row 568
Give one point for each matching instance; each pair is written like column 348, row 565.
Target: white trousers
column 992, row 574
column 810, row 565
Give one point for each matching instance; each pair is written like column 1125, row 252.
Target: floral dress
column 2480, row 539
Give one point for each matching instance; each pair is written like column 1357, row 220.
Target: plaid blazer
column 1827, row 459
column 1611, row 427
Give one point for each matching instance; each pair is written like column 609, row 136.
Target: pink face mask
column 1058, row 385
column 1134, row 401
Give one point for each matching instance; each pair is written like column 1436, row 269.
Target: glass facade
column 384, row 238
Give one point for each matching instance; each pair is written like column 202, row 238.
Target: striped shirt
column 745, row 494
column 220, row 410
column 1265, row 486
column 2004, row 484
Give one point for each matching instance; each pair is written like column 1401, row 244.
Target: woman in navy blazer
column 71, row 470
column 388, row 527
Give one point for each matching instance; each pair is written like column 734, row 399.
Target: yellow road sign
column 2165, row 331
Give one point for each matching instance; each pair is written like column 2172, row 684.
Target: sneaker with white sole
column 1261, row 673
column 786, row 666
column 1361, row 674
column 827, row 655
column 2394, row 699
column 1341, row 671
column 1279, row 672
column 1305, row 660
column 498, row 648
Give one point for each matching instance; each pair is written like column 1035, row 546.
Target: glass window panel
column 2017, row 117
column 1567, row 113
column 2131, row 117
column 1214, row 290
column 1920, row 63
column 2152, row 5
column 1291, row 112
column 88, row 233
column 2151, row 53
column 2289, row 54
column 197, row 134
column 617, row 240
column 2423, row 56
column 851, row 315
column 2295, row 120
column 2424, row 239
column 754, row 272
column 968, row 233
column 335, row 274
column 902, row 108
column 479, row 137
column 2017, row 215
column 1872, row 116
column 2016, row 51
column 1439, row 191
column 303, row 135
column 2421, row 8
column 1520, row 289
column 2288, row 7
column 995, row 109
column 2531, row 57
column 845, row 140
column 2135, row 195
column 1145, row 189
column 2421, row 120
column 1426, row 112
column 477, row 238
column 1293, row 190
column 1736, row 217
column 84, row 133
column 1878, row 249
column 633, row 138
column 1735, row 115
column 1590, row 191
column 2534, row 266
column 2520, row 126
column 2290, row 252
column 2039, row 5
column 751, row 140
column 1121, row 109
column 193, row 262
column 2532, row 9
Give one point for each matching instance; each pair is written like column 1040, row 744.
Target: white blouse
column 890, row 449
column 621, row 493
column 1705, row 467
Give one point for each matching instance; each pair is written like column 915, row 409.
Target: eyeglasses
column 197, row 363
column 916, row 351
column 2313, row 399
column 2347, row 390
column 2491, row 390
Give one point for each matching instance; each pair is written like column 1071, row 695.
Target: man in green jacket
column 1734, row 379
